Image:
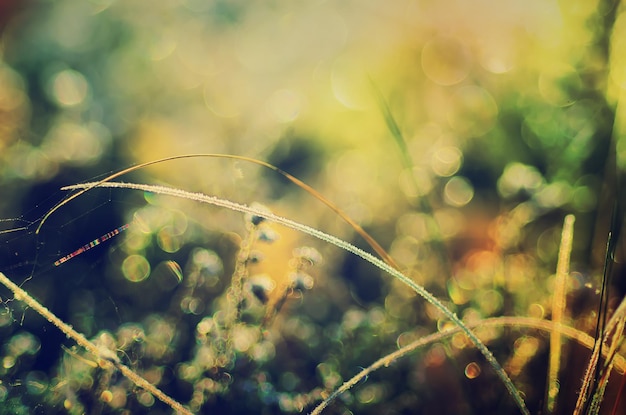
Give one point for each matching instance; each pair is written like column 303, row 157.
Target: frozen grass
column 612, row 337
column 105, row 356
column 199, row 197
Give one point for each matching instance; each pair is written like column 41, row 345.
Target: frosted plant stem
column 358, row 229
column 618, row 316
column 527, row 322
column 102, row 353
column 199, row 197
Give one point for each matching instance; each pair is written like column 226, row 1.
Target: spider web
column 26, row 254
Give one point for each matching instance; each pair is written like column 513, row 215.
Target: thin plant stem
column 102, row 353
column 358, row 229
column 592, row 372
column 558, row 309
column 618, row 316
column 408, row 164
column 528, row 322
column 616, row 342
column 199, row 197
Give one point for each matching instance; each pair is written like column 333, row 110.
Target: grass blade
column 101, row 353
column 558, row 309
column 199, row 197
column 527, row 322
column 592, row 372
column 367, row 237
column 407, row 162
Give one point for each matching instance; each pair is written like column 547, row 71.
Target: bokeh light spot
column 458, row 191
column 289, row 381
column 558, row 84
column 69, row 88
column 554, row 195
column 536, row 310
column 161, row 48
column 474, row 111
column 207, row 260
column 456, row 293
column 450, row 222
column 285, row 105
column 22, row 343
column 584, row 199
column 167, row 275
column 350, row 85
column 12, row 93
column 8, row 362
column 167, row 240
column 497, row 57
column 517, row 177
column 4, row 392
column 548, row 244
column 106, row 396
column 136, row 268
column 416, row 182
column 244, row 338
column 67, row 141
column 6, row 317
column 145, row 398
column 446, row 61
column 446, row 161
column 191, row 305
column 176, row 269
column 436, row 356
column 490, row 302
column 223, row 105
column 36, row 382
column 526, row 346
column 370, row 393
column 415, row 225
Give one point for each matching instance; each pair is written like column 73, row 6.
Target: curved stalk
column 200, row 197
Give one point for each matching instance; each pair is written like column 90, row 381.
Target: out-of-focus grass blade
column 558, row 309
column 393, row 127
column 407, row 163
column 368, row 238
column 594, row 369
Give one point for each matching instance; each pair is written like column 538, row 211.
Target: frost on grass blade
column 340, row 243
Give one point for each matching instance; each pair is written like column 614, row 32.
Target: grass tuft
column 106, row 356
column 199, row 197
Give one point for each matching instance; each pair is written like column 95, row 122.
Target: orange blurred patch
column 276, row 257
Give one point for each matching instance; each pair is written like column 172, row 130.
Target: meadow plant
column 236, row 344
column 429, row 264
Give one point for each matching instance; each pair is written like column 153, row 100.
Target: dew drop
column 472, row 370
